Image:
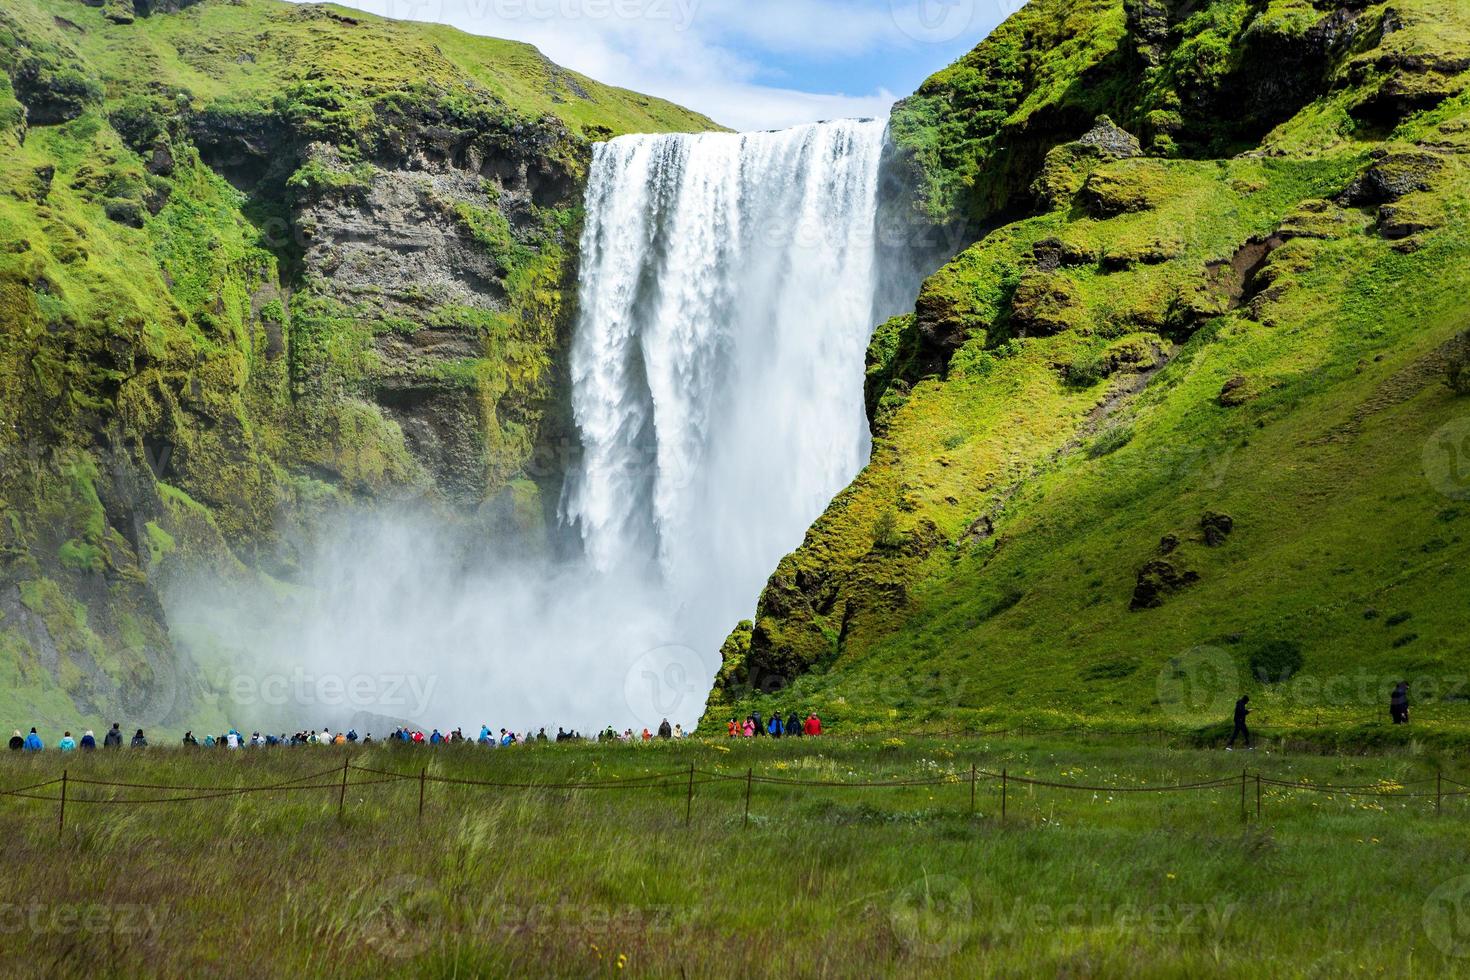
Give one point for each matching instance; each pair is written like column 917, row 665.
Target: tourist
column 113, row 739
column 749, row 730
column 89, row 741
column 1398, row 704
column 1240, row 712
column 190, row 740
column 664, row 731
column 17, row 741
column 678, row 730
column 793, row 726
column 139, row 742
column 813, row 724
column 67, row 743
column 33, row 742
column 774, row 728
column 755, row 720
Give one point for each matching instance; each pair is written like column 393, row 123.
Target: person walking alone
column 1240, row 712
column 1398, row 704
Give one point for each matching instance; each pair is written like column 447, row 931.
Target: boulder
column 1158, row 579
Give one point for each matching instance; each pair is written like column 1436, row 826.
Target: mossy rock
column 1046, row 303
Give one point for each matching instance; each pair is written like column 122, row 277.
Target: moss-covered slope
column 1187, row 399
column 256, row 258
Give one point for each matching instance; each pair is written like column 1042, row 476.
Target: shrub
column 1457, row 374
column 1110, row 441
column 885, row 531
column 1275, row 661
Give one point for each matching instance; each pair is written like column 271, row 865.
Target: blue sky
column 749, row 64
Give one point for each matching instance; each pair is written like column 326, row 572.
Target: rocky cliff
column 1190, row 388
column 257, row 260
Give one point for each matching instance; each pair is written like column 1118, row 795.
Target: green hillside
column 257, row 258
column 1189, row 418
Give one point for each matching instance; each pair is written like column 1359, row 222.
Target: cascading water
column 726, row 301
column 727, row 293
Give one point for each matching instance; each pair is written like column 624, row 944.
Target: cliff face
column 1187, row 388
column 257, row 260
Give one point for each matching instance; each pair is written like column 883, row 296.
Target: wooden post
column 342, row 796
column 423, row 773
column 748, row 775
column 689, row 803
column 1242, row 795
column 1438, row 791
column 1258, row 796
column 1003, row 796
column 972, row 789
column 61, row 814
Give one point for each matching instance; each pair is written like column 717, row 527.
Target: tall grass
column 823, row 881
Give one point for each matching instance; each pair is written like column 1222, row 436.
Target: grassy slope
column 254, row 49
column 1342, row 545
column 135, row 303
column 829, row 882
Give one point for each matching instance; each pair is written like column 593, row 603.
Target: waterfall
column 726, row 301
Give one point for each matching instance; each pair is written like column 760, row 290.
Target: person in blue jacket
column 773, row 728
column 89, row 741
column 33, row 742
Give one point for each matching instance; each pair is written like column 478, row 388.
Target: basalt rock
column 1157, row 580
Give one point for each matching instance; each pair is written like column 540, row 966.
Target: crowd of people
column 112, row 740
column 792, row 727
column 234, row 739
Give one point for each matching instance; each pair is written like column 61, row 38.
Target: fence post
column 1438, row 791
column 1243, row 815
column 972, row 789
column 61, row 814
column 1258, row 796
column 689, row 802
column 749, row 772
column 1003, row 796
column 424, row 772
column 342, row 796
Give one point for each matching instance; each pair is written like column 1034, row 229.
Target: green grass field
column 823, row 881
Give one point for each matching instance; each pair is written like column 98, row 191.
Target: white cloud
column 707, row 54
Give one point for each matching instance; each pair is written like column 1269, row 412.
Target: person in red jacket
column 813, row 724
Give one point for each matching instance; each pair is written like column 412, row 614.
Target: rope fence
column 340, row 778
